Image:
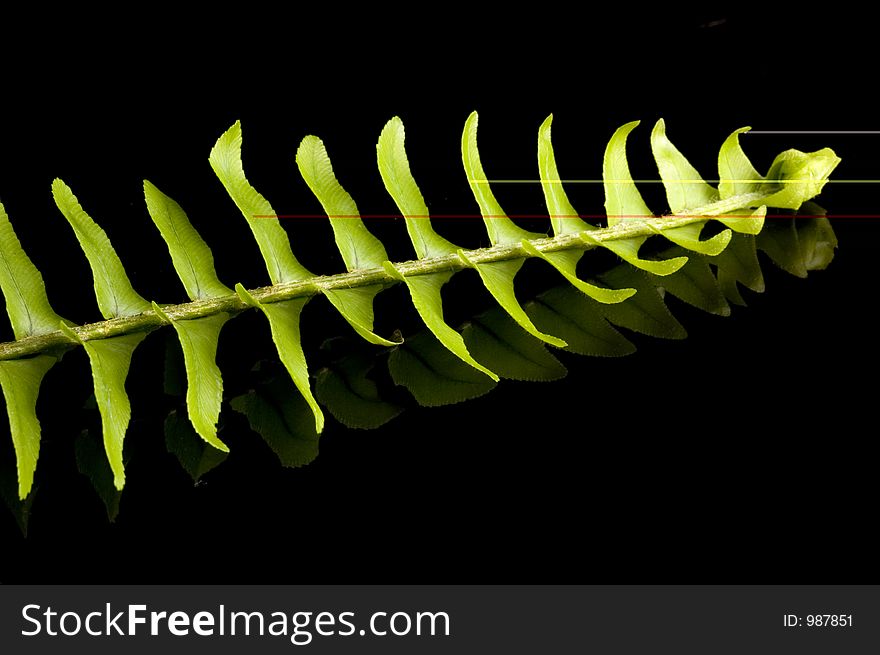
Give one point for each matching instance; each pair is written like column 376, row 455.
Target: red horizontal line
column 547, row 216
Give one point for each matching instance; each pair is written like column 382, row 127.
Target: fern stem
column 57, row 342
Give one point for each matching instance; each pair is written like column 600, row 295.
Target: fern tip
column 59, row 186
column 25, row 482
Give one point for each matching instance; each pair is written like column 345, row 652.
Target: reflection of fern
column 465, row 363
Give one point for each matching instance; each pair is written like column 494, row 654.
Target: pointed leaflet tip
column 110, row 360
column 737, row 175
column 204, row 394
column 20, row 380
column 355, row 305
column 563, row 216
column 688, row 236
column 283, row 319
column 498, row 278
column 685, row 188
column 565, row 261
column 425, row 293
column 623, row 202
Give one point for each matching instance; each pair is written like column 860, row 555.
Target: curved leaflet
column 194, row 264
column 30, row 314
column 110, row 358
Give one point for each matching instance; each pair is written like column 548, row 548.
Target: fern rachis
column 739, row 204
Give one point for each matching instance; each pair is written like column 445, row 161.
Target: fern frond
column 444, row 364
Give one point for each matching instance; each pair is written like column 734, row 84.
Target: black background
column 742, row 454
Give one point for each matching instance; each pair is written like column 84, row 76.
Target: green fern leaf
column 194, row 264
column 565, row 220
column 358, row 247
column 801, row 175
column 26, row 301
column 425, row 293
column 623, row 202
column 394, row 168
column 20, row 380
column 424, row 289
column 30, row 314
column 110, row 360
column 114, row 292
column 736, row 173
column 284, row 323
column 271, row 238
column 191, row 256
column 204, row 393
column 498, row 277
column 685, row 191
